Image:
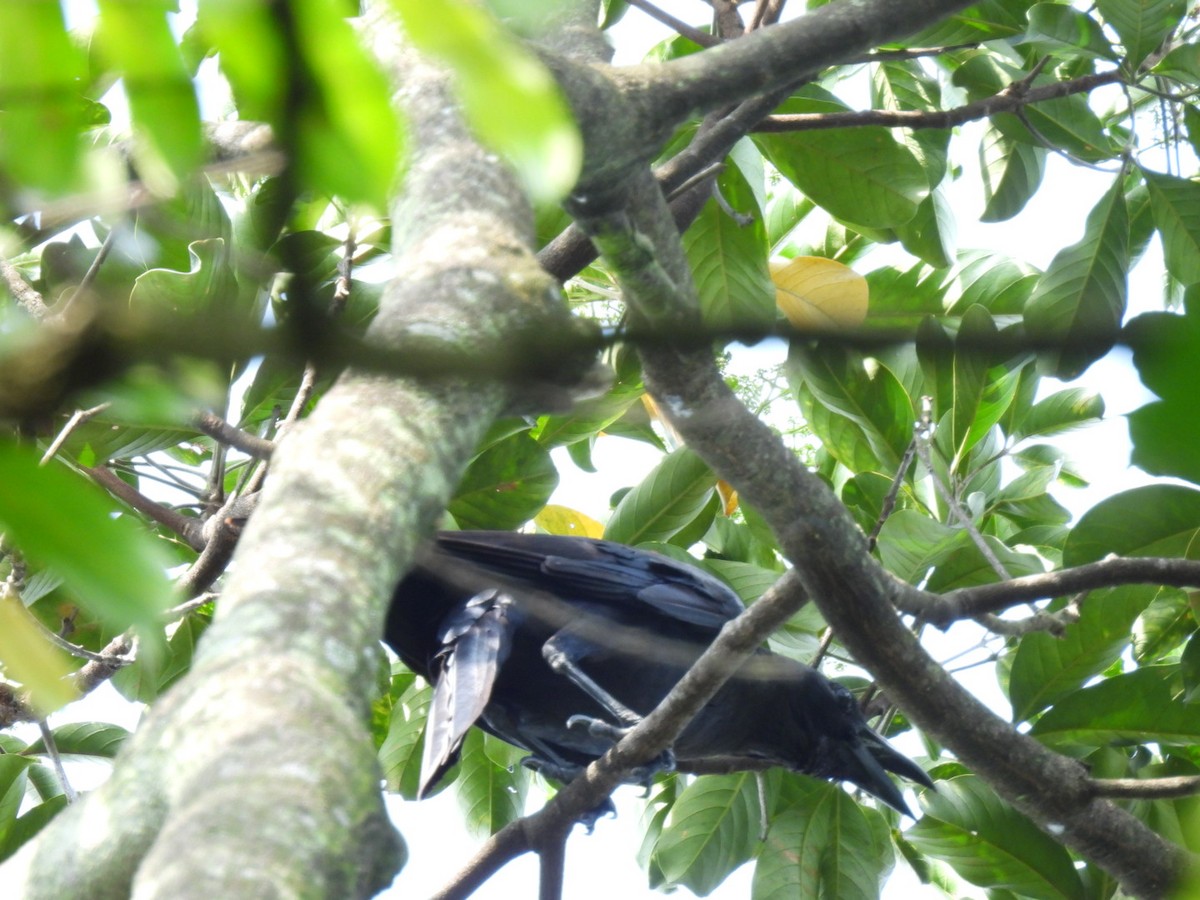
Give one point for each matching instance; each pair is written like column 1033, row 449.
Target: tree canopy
column 289, row 284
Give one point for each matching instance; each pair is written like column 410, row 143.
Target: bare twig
column 77, row 418
column 695, row 35
column 56, row 760
column 220, row 430
column 186, row 527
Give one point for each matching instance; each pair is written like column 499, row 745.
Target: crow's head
column 844, row 747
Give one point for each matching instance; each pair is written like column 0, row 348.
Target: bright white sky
column 603, row 864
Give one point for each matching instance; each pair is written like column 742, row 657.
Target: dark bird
column 559, row 644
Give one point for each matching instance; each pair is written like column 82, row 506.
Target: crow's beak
column 866, row 762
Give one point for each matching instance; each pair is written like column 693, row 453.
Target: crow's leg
column 562, row 653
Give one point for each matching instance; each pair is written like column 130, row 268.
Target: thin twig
column 56, row 761
column 77, row 418
column 695, row 35
column 220, row 430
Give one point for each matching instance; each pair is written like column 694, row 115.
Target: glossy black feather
column 481, row 609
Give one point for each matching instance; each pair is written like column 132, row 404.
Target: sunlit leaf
column 1081, row 298
column 557, row 519
column 29, row 658
column 819, row 294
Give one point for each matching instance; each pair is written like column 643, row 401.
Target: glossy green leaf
column 667, row 500
column 1061, row 412
column 1142, row 25
column 491, row 793
column 118, row 573
column 1163, row 626
column 860, row 175
column 1156, row 520
column 1081, row 298
column 931, row 234
column 1012, row 172
column 400, row 753
column 843, row 384
column 713, row 829
column 505, row 485
column 1176, row 206
column 135, row 38
column 823, row 844
column 728, row 258
column 509, row 97
column 1072, row 29
column 1166, row 433
column 1047, row 668
column 1143, row 706
column 992, row 845
column 995, row 282
column 100, row 740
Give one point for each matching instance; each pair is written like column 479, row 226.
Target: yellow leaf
column 32, row 660
column 729, row 497
column 564, row 520
column 819, row 294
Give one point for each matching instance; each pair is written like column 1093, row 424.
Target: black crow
column 557, row 644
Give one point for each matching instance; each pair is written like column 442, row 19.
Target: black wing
column 593, row 571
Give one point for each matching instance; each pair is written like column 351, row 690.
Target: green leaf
column 505, row 485
column 136, row 39
column 18, row 833
column 41, row 72
column 491, row 792
column 1012, row 172
column 931, row 235
column 1140, row 707
column 1142, row 25
column 1166, row 433
column 860, row 175
column 995, row 282
column 100, row 740
column 1065, row 122
column 666, row 501
column 823, row 845
column 1165, row 624
column 511, row 100
column 1046, row 668
column 1070, row 29
column 1156, row 520
column 307, row 74
column 118, row 573
column 992, row 845
column 729, row 258
column 712, row 830
column 1061, row 412
column 400, row 753
column 1176, row 206
column 874, row 402
column 1080, row 300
